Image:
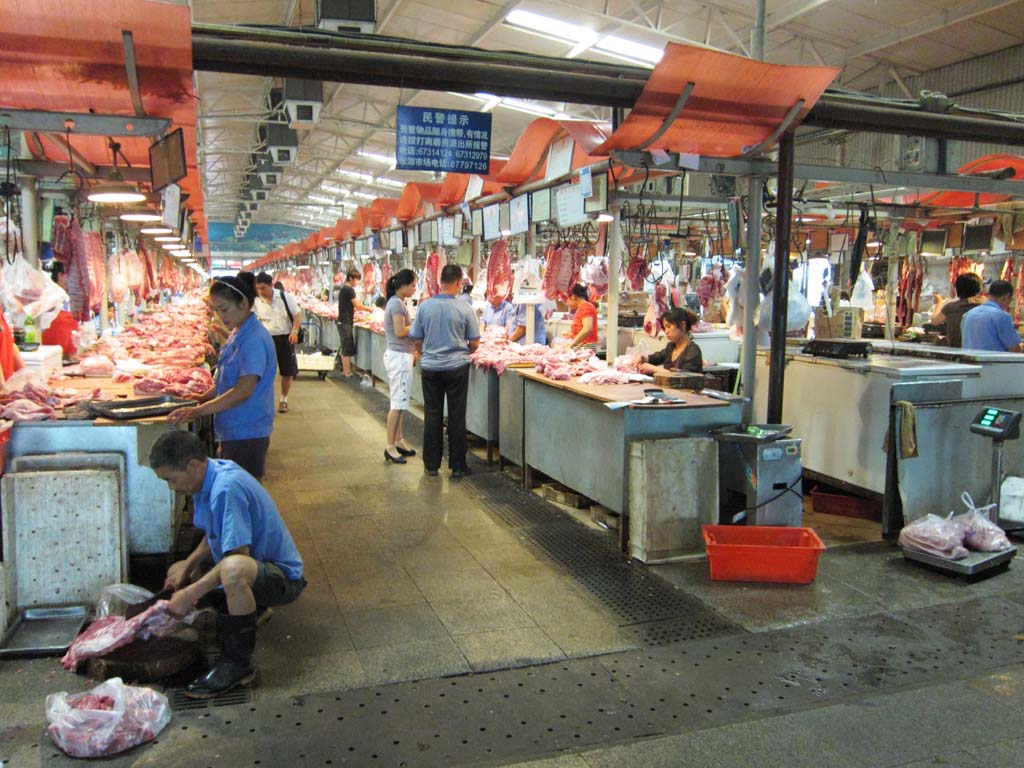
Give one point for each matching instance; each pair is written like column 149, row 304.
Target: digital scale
column 999, row 426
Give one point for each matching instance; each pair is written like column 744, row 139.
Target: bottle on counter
column 31, row 336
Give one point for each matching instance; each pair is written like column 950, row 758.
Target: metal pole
column 751, row 286
column 997, row 479
column 29, row 220
column 751, row 295
column 757, row 33
column 528, row 253
column 614, row 266
column 780, row 280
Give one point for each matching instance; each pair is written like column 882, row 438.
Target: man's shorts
column 272, row 587
column 287, row 365
column 346, row 331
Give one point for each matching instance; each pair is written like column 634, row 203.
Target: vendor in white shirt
column 498, row 312
column 282, row 317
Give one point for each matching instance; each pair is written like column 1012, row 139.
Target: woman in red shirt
column 10, row 357
column 584, row 320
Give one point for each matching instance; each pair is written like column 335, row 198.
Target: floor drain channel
column 182, row 703
column 650, row 609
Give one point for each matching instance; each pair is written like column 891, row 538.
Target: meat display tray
column 141, row 408
column 43, row 631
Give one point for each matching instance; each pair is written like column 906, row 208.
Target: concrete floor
column 412, row 579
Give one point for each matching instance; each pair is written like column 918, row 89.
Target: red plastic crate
column 762, row 553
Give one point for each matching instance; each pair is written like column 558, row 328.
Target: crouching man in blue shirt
column 246, row 549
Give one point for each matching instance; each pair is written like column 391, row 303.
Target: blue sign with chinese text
column 443, row 140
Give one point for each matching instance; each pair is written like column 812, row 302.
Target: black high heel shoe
column 388, row 457
column 405, row 451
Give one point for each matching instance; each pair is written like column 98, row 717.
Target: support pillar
column 780, row 280
column 614, row 267
column 29, row 220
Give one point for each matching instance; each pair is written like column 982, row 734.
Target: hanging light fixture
column 114, row 189
column 181, row 253
column 141, row 215
column 156, row 230
column 171, row 246
column 168, row 239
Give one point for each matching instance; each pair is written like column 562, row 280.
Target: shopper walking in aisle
column 282, row 317
column 399, row 360
column 990, row 326
column 246, row 549
column 242, row 399
column 445, row 332
column 348, row 303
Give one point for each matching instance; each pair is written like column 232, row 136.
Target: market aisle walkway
column 410, row 577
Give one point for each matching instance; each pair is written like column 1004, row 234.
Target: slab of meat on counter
column 179, row 382
column 97, row 365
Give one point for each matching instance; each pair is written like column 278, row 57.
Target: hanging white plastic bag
column 863, row 292
column 29, row 291
column 107, row 720
column 798, row 311
column 936, row 536
column 978, row 531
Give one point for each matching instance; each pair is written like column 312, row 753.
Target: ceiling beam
column 901, row 34
column 791, row 12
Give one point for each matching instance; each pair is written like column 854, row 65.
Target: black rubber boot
column 235, row 668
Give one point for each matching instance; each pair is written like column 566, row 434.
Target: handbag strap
column 291, row 317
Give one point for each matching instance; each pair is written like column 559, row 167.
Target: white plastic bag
column 863, row 292
column 29, row 291
column 114, row 599
column 1011, row 500
column 978, row 531
column 107, row 720
column 934, row 535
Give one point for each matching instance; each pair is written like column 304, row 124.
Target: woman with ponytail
column 399, row 361
column 242, row 399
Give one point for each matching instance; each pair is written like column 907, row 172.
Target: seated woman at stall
column 242, row 399
column 680, row 354
column 584, row 319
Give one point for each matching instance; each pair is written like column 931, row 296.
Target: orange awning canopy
column 415, row 195
column 68, row 56
column 736, row 103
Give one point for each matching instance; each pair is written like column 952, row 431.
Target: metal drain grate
column 653, row 611
column 182, row 703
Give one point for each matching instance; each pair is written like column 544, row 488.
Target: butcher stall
column 848, row 411
column 582, row 436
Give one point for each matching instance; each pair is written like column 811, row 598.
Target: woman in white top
column 399, row 361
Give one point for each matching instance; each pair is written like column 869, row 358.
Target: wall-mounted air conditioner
column 346, row 15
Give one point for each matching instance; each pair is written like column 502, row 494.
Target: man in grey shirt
column 445, row 332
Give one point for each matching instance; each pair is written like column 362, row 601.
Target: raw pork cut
column 179, row 382
column 96, row 264
column 636, row 271
column 562, row 267
column 111, row 632
column 431, row 273
column 499, row 272
column 26, row 410
column 77, row 270
column 97, row 365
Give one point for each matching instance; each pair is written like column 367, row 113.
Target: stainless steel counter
column 364, row 349
column 577, row 440
column 482, row 407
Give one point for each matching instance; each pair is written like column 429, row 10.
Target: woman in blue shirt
column 242, row 400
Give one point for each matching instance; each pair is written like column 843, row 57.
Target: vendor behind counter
column 681, row 354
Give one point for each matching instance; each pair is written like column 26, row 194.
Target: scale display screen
column 997, row 423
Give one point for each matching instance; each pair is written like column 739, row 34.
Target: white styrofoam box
column 73, row 460
column 65, row 532
column 1011, row 500
column 44, row 360
column 673, row 491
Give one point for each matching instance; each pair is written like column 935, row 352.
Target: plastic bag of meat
column 979, row 532
column 936, row 536
column 107, row 720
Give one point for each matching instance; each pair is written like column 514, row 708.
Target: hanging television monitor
column 167, row 160
column 977, row 239
column 933, row 242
